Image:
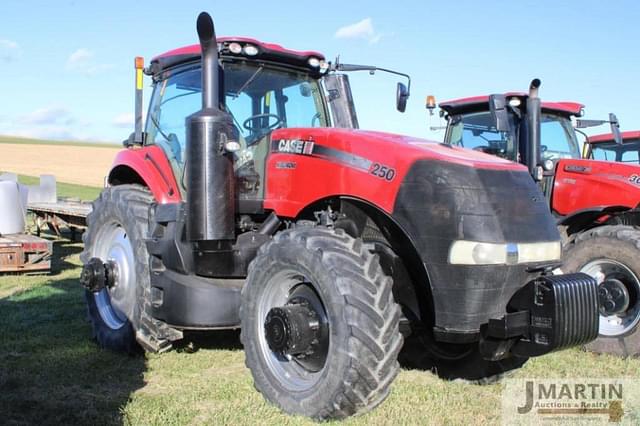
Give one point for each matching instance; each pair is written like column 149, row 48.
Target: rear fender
column 147, row 166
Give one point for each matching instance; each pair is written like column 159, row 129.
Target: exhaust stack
column 533, row 126
column 210, row 180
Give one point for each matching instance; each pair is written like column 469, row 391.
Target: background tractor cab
column 604, row 147
column 595, row 202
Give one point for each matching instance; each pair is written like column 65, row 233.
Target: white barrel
column 12, row 210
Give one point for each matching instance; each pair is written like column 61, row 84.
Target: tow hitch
column 548, row 314
column 97, row 275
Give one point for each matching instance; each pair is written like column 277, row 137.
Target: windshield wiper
column 248, row 82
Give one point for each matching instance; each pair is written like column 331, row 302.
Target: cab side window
column 173, row 100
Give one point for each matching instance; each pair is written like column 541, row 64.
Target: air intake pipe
column 533, row 128
column 209, row 167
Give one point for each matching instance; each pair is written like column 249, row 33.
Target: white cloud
column 47, row 116
column 9, row 50
column 53, row 122
column 123, row 120
column 360, row 30
column 79, row 57
column 83, row 61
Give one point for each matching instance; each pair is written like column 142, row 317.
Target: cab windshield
column 259, row 98
column 477, row 131
column 628, row 152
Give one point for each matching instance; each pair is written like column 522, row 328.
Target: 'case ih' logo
column 295, row 146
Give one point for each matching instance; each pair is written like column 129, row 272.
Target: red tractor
column 242, row 205
column 605, row 148
column 595, row 203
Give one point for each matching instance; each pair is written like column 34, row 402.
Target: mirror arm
column 400, row 74
column 350, row 67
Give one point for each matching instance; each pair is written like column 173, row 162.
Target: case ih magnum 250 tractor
column 240, row 207
column 595, row 202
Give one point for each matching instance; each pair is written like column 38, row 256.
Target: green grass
column 31, row 141
column 51, row 371
column 66, row 190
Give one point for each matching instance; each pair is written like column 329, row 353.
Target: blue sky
column 66, row 66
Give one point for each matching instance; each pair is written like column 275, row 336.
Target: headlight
column 235, row 48
column 314, row 62
column 477, row 253
column 250, row 50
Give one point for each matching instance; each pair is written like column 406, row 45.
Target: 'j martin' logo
column 549, row 400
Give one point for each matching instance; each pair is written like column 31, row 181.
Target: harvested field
column 82, row 165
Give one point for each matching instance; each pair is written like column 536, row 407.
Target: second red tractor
column 595, row 203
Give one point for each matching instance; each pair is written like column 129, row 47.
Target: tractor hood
column 388, row 146
column 306, row 165
column 582, row 184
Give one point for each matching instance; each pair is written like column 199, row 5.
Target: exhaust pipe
column 533, row 129
column 210, row 179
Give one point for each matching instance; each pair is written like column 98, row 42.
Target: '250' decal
column 383, row 172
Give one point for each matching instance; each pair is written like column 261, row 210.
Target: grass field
column 52, row 373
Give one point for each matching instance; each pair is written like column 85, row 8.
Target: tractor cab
column 604, row 148
column 471, row 125
column 266, row 87
column 502, row 125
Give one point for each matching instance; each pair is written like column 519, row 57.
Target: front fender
column 150, row 164
column 583, row 219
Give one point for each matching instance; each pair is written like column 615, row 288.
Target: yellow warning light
column 139, row 62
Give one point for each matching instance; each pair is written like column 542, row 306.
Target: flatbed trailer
column 71, row 213
column 24, row 253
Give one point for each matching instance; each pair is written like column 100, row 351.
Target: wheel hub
column 293, row 329
column 296, row 333
column 97, row 275
column 613, row 296
column 618, row 294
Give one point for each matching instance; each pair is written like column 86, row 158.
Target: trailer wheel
column 116, row 230
column 611, row 254
column 320, row 326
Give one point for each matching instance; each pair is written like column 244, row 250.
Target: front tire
column 116, row 230
column 612, row 252
column 353, row 295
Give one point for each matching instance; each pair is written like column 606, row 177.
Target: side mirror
column 615, row 128
column 305, row 90
column 499, row 113
column 402, row 94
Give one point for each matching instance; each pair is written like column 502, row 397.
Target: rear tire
column 362, row 316
column 611, row 251
column 116, row 229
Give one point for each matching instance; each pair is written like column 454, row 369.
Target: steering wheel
column 247, row 123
